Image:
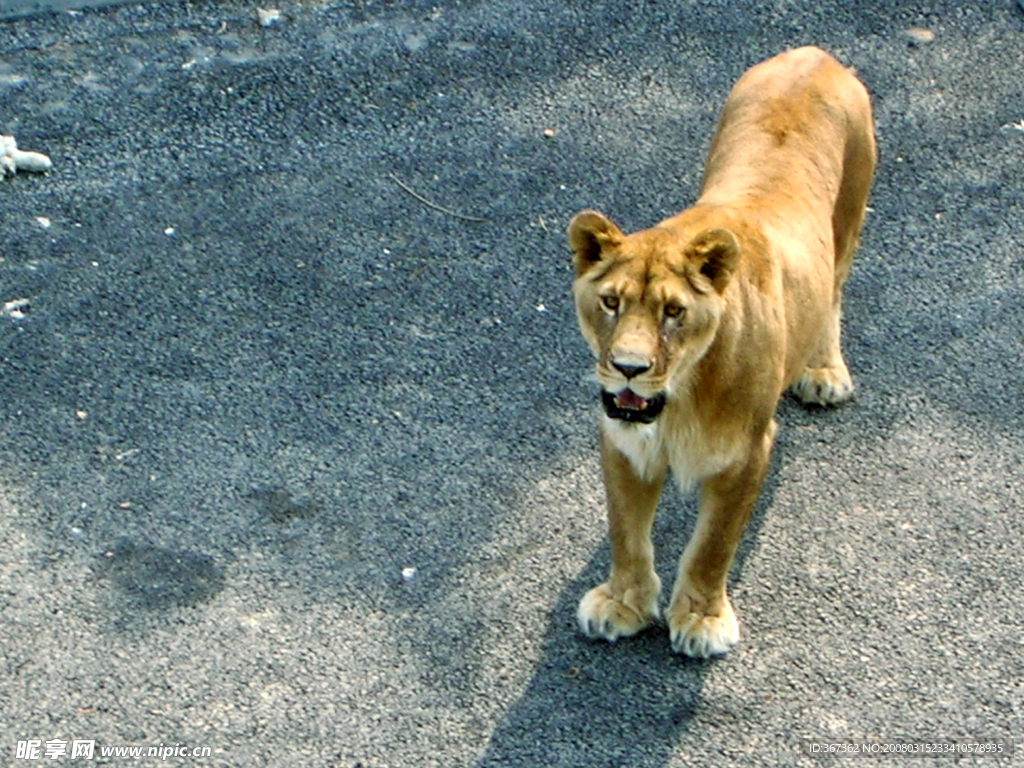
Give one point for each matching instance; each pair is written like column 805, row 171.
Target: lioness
column 700, row 323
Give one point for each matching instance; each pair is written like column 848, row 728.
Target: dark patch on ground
column 161, row 578
column 281, row 507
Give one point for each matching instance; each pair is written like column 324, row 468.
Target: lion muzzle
column 627, row 405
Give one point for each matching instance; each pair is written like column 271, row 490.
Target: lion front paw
column 824, row 386
column 699, row 634
column 607, row 616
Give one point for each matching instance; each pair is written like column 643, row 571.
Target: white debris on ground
column 13, row 159
column 919, row 36
column 268, row 16
column 16, row 309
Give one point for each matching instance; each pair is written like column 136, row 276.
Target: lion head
column 649, row 305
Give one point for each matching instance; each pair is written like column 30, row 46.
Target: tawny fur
column 721, row 309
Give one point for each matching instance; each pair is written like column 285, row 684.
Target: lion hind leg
column 826, row 380
column 828, row 385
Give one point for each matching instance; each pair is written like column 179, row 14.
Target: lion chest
column 685, row 448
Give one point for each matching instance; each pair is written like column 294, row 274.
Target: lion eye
column 674, row 311
column 611, row 303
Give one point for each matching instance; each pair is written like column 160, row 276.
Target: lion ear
column 589, row 232
column 715, row 254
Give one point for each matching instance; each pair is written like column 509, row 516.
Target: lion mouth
column 627, row 405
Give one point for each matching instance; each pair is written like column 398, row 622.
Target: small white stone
column 268, row 16
column 415, row 42
column 16, row 309
column 920, row 36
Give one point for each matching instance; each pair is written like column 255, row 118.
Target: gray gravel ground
column 256, row 379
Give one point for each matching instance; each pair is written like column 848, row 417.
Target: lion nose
column 629, row 371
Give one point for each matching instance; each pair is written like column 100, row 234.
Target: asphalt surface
column 256, row 382
column 14, row 9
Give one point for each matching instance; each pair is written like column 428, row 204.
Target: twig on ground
column 433, row 205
